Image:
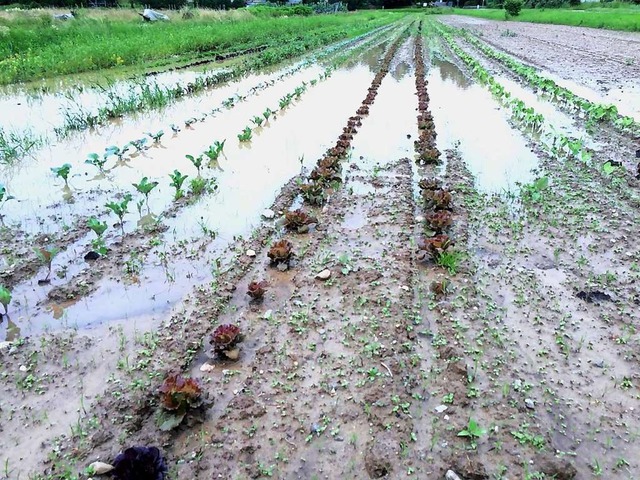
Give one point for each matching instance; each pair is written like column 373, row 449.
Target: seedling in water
column 46, row 256
column 115, row 150
column 196, row 161
column 120, row 209
column 138, row 144
column 97, row 161
column 177, row 396
column 5, row 298
column 246, row 135
column 98, row 228
column 225, row 341
column 267, row 114
column 257, row 121
column 298, row 221
column 155, row 136
column 4, row 197
column 280, row 254
column 177, row 179
column 473, row 432
column 62, row 172
column 175, row 128
column 200, row 185
column 145, row 187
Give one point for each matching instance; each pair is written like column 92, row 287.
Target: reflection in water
column 402, row 69
column 449, row 71
column 467, row 117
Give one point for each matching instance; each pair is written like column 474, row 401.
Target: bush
column 513, row 7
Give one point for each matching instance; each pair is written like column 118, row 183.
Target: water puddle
column 278, row 151
column 469, row 119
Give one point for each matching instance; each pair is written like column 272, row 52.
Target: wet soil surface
column 607, row 62
column 516, row 356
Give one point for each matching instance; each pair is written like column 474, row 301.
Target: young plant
column 298, row 221
column 46, row 256
column 138, row 463
column 98, row 228
column 225, row 340
column 97, row 161
column 177, row 396
column 5, row 298
column 199, row 185
column 4, row 196
column 434, row 247
column 256, row 290
column 313, row 193
column 145, row 187
column 246, row 135
column 177, row 179
column 440, row 288
column 257, row 121
column 155, row 136
column 280, row 254
column 62, row 172
column 196, row 161
column 473, row 432
column 120, row 209
column 267, row 114
column 117, row 151
column 139, row 144
column 438, row 221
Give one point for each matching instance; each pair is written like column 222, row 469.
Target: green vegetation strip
column 32, row 50
column 626, row 19
column 595, row 112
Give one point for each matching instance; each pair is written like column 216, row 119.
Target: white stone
column 268, row 214
column 441, row 408
column 324, row 274
column 100, row 468
column 207, row 367
column 23, row 368
column 250, row 253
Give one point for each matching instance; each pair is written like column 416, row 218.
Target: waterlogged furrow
column 595, row 112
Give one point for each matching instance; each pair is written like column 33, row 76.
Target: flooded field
column 398, row 256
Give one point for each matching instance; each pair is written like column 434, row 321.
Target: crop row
column 594, row 112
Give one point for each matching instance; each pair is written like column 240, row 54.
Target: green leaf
column 169, row 421
column 5, row 297
column 97, row 226
column 608, row 169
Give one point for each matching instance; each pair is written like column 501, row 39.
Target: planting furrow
column 134, row 402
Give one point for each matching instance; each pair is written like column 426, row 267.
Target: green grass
column 37, row 47
column 625, row 17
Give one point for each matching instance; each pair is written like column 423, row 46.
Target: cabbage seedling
column 145, row 187
column 62, row 172
column 155, row 136
column 177, row 179
column 120, row 209
column 5, row 298
column 257, row 121
column 117, row 151
column 97, row 161
column 246, row 135
column 98, row 228
column 197, row 161
column 139, row 144
column 46, row 256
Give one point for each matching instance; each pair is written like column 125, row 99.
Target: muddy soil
column 606, row 62
column 515, row 356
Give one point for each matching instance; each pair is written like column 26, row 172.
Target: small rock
column 599, row 363
column 324, row 274
column 451, row 475
column 419, row 219
column 529, row 403
column 23, row 368
column 5, row 345
column 100, row 468
column 207, row 367
column 91, row 256
column 250, row 253
column 441, row 408
column 405, row 288
column 268, row 214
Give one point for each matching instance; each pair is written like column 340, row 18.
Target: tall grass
column 40, row 47
column 623, row 17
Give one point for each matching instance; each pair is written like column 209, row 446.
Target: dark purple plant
column 139, row 463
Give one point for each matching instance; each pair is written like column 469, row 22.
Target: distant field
column 627, row 19
column 35, row 46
